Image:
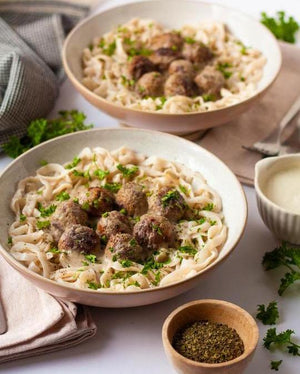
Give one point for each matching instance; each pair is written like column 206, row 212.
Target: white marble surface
column 129, row 340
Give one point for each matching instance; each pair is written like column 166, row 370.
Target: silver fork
column 3, row 323
column 271, row 145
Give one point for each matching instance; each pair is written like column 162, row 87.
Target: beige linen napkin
column 37, row 322
column 226, row 141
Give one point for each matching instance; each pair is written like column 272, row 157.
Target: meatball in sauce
column 179, row 84
column 210, row 81
column 132, row 198
column 79, row 238
column 112, row 223
column 140, row 65
column 125, row 247
column 97, row 200
column 67, row 213
column 150, row 84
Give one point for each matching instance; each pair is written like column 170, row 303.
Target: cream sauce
column 283, row 188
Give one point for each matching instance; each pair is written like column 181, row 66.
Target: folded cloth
column 37, row 322
column 31, row 38
column 255, row 124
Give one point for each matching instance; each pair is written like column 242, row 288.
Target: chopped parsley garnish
column 74, row 163
column 208, row 97
column 91, row 258
column 201, row 221
column 189, row 40
column 132, row 242
column 43, row 129
column 42, row 224
column 46, row 212
column 105, row 214
column 54, row 250
column 169, row 196
column 212, row 223
column 76, row 200
column 123, row 211
column 209, row 207
column 126, row 263
column 78, row 173
column 127, row 172
column 222, row 67
column 22, row 217
column 136, row 284
column 288, row 257
column 151, row 264
column 139, row 52
column 62, row 196
column 275, row 365
column 103, row 239
column 9, row 240
column 281, row 340
column 188, row 249
column 85, row 206
column 283, row 28
column 93, row 285
column 127, row 82
column 162, row 99
column 268, row 315
column 156, row 278
column 183, row 189
column 113, row 187
column 101, row 174
column 115, row 258
column 157, row 229
column 110, row 49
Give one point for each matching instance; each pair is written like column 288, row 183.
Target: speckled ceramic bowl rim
column 21, row 268
column 74, row 79
column 258, row 189
column 197, row 364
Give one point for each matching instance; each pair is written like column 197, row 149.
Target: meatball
column 79, row 238
column 132, row 198
column 153, row 232
column 150, row 84
column 113, row 223
column 181, row 66
column 169, row 203
column 140, row 65
column 97, row 200
column 196, row 52
column 67, row 213
column 210, row 81
column 125, row 247
column 179, row 84
column 166, row 47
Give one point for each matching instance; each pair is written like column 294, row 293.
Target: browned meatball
column 125, row 247
column 210, row 81
column 166, row 48
column 132, row 198
column 67, row 213
column 154, row 231
column 140, row 65
column 150, row 84
column 179, row 84
column 196, row 52
column 78, row 238
column 113, row 223
column 169, row 203
column 97, row 200
column 181, row 66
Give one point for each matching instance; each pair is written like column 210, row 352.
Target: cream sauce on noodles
column 198, row 241
column 105, row 66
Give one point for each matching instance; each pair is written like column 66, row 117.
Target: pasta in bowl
column 126, row 222
column 177, row 74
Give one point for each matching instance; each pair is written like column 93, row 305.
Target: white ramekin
column 284, row 224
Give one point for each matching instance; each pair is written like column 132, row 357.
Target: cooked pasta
column 199, row 234
column 107, row 69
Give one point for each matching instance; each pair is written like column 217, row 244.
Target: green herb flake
column 209, row 97
column 209, row 207
column 189, row 40
column 74, row 163
column 110, row 49
column 62, row 196
column 201, row 221
column 101, row 174
column 132, row 242
column 126, row 263
column 123, row 211
column 54, row 250
column 281, row 340
column 42, row 224
column 157, row 229
column 9, row 240
column 113, row 187
column 22, row 217
column 222, row 67
column 169, row 196
column 188, row 249
column 127, row 172
column 275, row 365
column 105, row 214
column 76, row 200
column 46, row 212
column 91, row 258
column 183, row 189
column 93, row 285
column 268, row 315
column 85, row 206
column 162, row 99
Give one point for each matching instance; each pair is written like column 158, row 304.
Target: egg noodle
column 105, row 66
column 198, row 241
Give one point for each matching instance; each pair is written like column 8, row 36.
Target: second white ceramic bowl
column 285, row 225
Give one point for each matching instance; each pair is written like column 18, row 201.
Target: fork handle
column 290, row 114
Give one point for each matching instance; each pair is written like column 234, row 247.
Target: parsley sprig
column 284, row 28
column 268, row 315
column 127, row 172
column 46, row 212
column 281, row 340
column 43, row 129
column 288, row 257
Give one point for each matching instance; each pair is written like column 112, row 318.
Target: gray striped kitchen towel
column 31, row 36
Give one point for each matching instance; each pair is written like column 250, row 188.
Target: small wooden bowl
column 215, row 311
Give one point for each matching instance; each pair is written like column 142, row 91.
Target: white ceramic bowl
column 173, row 14
column 150, row 143
column 284, row 224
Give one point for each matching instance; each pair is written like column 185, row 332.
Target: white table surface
column 128, row 341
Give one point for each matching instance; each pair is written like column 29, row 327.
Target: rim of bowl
column 226, row 304
column 10, row 259
column 258, row 189
column 78, row 83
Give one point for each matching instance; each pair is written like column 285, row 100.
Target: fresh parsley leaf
column 22, row 217
column 170, row 196
column 287, row 281
column 126, row 263
column 62, row 196
column 113, row 187
column 101, row 174
column 42, row 224
column 188, row 249
column 93, row 285
column 268, row 315
column 127, row 172
column 74, row 163
column 110, row 49
column 209, row 207
column 46, row 212
column 162, row 99
column 91, row 258
column 9, row 240
column 189, row 40
column 283, row 28
column 201, row 221
column 281, row 340
column 223, row 68
column 209, row 97
column 183, row 189
column 157, row 229
column 127, row 82
column 54, row 250
column 275, row 365
column 43, row 129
